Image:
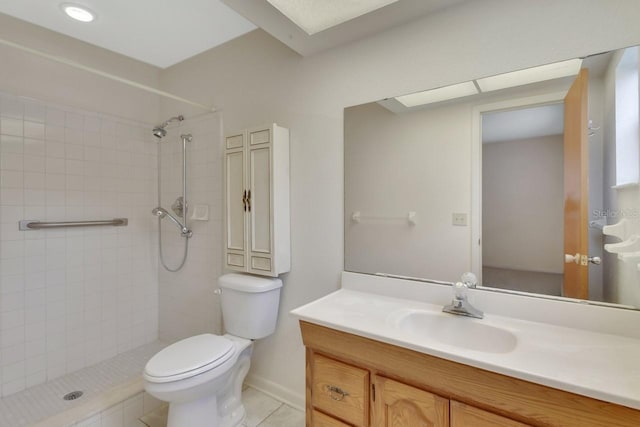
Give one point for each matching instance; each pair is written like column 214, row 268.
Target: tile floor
column 262, row 411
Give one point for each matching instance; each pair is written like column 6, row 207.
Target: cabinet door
column 401, row 405
column 260, row 201
column 463, row 415
column 235, row 206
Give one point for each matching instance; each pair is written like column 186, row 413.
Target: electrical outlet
column 459, row 219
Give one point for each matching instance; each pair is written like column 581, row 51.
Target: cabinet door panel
column 235, row 141
column 463, row 415
column 401, row 405
column 235, row 206
column 260, row 164
column 259, row 137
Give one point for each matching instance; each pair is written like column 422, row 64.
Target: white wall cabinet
column 257, row 225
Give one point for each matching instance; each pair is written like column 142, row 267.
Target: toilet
column 201, row 376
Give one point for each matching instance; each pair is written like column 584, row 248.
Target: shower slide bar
column 38, row 225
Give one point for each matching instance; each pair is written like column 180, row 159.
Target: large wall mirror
column 529, row 179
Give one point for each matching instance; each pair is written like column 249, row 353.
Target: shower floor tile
column 45, row 400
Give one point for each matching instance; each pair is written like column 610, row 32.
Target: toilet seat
column 189, row 357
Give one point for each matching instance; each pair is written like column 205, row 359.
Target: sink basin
column 457, row 331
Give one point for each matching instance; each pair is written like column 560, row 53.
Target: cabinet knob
column 249, row 200
column 244, row 200
column 336, row 393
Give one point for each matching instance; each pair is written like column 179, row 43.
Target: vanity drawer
column 322, row 420
column 464, row 415
column 340, row 390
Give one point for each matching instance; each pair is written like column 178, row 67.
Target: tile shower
column 71, row 298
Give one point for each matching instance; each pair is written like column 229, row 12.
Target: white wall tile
column 34, row 147
column 74, row 121
column 34, row 111
column 11, row 179
column 10, row 126
column 133, row 409
column 11, row 144
column 34, row 130
column 11, row 106
column 11, row 161
column 34, row 163
column 113, row 417
column 54, row 133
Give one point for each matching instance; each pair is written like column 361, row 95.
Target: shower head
column 160, row 131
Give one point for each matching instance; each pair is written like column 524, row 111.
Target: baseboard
column 276, row 391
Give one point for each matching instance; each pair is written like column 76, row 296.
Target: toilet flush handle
column 217, row 291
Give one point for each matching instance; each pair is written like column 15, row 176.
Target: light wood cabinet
column 355, row 381
column 401, row 405
column 257, row 220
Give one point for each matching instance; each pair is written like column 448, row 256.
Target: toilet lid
column 188, row 358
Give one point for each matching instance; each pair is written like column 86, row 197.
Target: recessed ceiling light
column 77, row 12
column 314, row 16
column 436, row 95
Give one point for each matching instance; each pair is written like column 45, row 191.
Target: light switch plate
column 459, row 219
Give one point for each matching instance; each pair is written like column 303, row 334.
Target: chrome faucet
column 460, row 304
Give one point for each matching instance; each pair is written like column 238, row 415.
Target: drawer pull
column 336, row 393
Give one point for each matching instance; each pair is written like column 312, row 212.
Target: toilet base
column 196, row 413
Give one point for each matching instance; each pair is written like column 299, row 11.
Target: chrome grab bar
column 27, row 224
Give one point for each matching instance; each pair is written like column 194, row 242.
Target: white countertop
column 599, row 365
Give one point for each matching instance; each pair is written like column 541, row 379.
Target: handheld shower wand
column 181, row 206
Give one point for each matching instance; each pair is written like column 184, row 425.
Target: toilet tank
column 249, row 304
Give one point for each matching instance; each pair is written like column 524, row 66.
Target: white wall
column 620, row 276
column 396, row 163
column 255, row 79
column 28, row 75
column 523, row 204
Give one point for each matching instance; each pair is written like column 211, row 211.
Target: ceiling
column 525, row 123
column 279, row 26
column 158, row 32
column 165, row 32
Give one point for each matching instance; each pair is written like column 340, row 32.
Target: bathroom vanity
column 385, row 355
